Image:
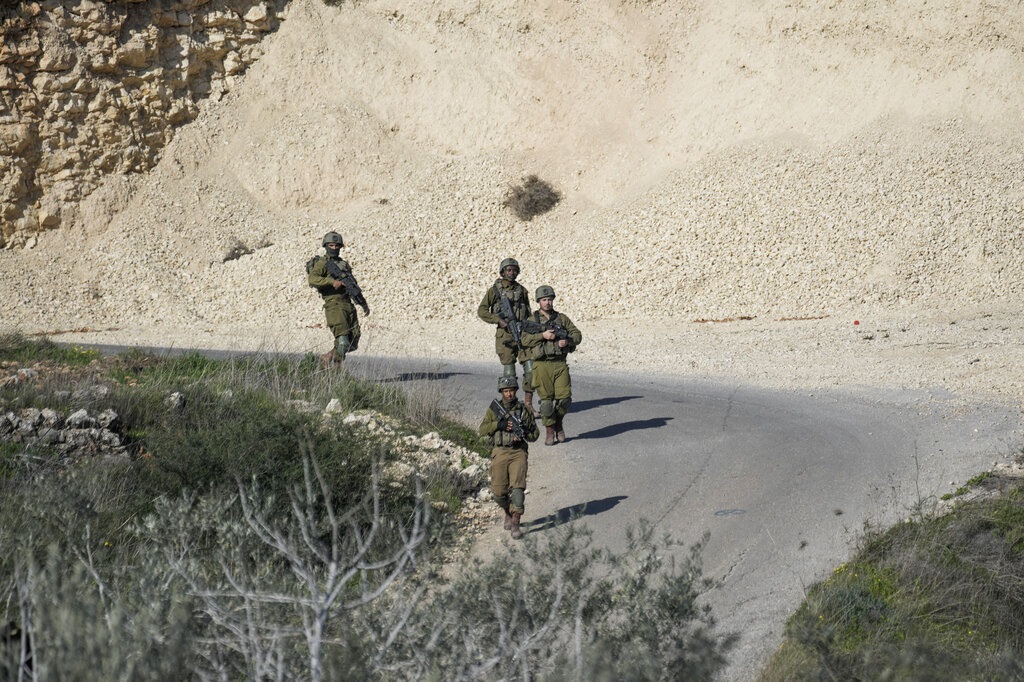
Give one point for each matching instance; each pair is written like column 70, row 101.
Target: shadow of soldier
column 567, row 514
column 616, row 429
column 421, row 376
column 584, row 405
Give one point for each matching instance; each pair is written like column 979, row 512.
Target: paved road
column 783, row 481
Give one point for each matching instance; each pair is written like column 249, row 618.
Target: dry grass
column 531, row 198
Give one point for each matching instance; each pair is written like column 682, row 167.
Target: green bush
column 557, row 608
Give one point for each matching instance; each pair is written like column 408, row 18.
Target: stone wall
column 90, row 88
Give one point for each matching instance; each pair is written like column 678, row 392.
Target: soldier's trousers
column 551, row 382
column 508, row 470
column 508, row 356
column 342, row 320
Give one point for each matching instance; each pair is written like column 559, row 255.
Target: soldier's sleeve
column 531, row 340
column 484, row 311
column 489, row 424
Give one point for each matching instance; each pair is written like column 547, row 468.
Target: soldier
column 509, row 427
column 549, row 336
column 332, row 278
column 505, row 345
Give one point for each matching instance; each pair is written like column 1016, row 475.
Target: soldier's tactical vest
column 549, row 350
column 507, row 438
column 327, row 290
column 517, row 296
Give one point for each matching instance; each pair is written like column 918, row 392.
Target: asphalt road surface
column 783, row 481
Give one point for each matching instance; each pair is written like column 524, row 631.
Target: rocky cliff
column 90, row 88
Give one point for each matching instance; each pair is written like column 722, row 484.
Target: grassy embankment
column 937, row 597
column 211, row 519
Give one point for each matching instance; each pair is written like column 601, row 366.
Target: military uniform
column 551, row 378
column 509, row 455
column 339, row 310
column 508, row 352
column 504, row 343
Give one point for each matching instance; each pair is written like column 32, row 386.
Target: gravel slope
column 777, row 171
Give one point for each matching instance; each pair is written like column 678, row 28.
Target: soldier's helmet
column 333, row 238
column 507, row 382
column 545, row 292
column 507, row 262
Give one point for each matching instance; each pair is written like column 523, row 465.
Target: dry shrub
column 532, row 198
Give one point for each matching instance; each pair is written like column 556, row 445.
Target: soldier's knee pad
column 562, row 405
column 502, row 502
column 528, row 371
column 517, row 498
column 547, row 408
column 508, row 370
column 342, row 344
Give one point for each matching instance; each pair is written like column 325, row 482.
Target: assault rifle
column 506, row 417
column 531, row 327
column 515, row 325
column 351, row 286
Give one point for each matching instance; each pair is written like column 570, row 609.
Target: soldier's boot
column 517, row 532
column 549, row 435
column 504, row 505
column 559, row 429
column 327, row 359
column 528, row 401
column 508, row 516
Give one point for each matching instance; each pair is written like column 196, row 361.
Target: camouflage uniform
column 509, row 455
column 550, row 370
column 339, row 310
column 504, row 345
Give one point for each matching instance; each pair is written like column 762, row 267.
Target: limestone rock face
column 90, row 88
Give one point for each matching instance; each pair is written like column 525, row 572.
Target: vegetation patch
column 931, row 598
column 268, row 519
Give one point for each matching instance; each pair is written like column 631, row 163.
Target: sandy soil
column 793, row 195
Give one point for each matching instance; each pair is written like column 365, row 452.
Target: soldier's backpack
column 310, row 263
